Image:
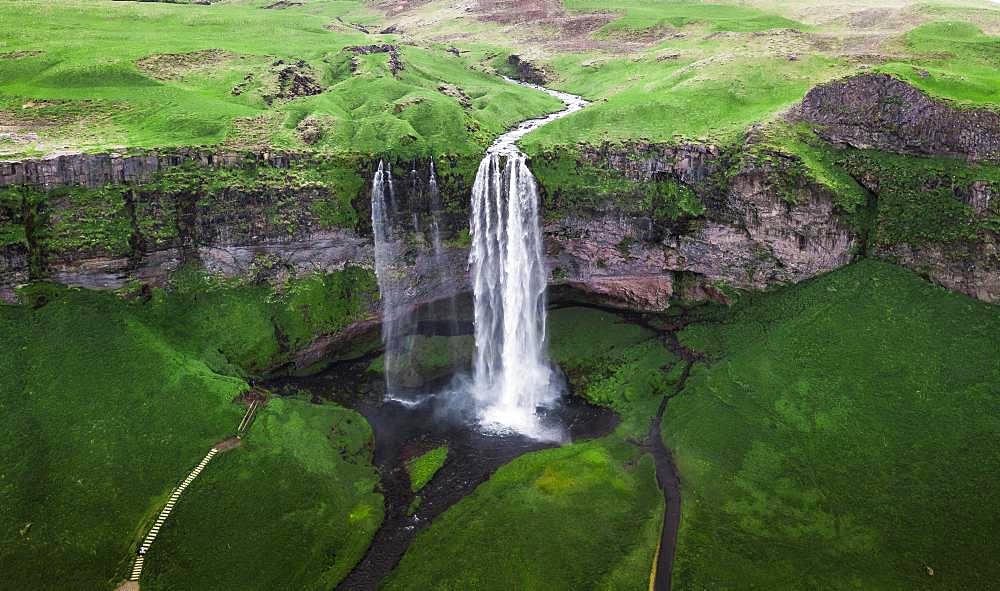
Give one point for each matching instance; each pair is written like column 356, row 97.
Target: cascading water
column 512, row 376
column 440, row 258
column 394, row 320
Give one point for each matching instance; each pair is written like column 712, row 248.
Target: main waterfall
column 512, row 378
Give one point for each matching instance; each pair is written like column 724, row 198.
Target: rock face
column 98, row 170
column 969, row 268
column 750, row 239
column 879, row 111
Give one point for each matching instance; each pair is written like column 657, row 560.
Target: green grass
column 101, row 417
column 107, row 403
column 814, row 159
column 299, row 490
column 919, row 199
column 953, row 60
column 83, row 89
column 613, row 363
column 250, row 328
column 841, row 438
column 680, row 101
column 423, row 467
column 585, row 516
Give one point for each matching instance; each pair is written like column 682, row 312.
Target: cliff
column 634, row 225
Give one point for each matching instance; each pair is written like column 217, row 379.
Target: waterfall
column 441, row 259
column 394, row 319
column 512, row 377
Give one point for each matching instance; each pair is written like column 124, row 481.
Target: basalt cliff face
column 747, row 234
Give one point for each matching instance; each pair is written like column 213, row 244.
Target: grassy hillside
column 842, row 437
column 106, row 404
column 300, row 490
column 97, row 74
column 952, row 60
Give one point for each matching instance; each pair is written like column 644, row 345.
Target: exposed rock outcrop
column 751, row 239
column 527, row 71
column 395, row 61
column 883, row 112
column 98, row 170
column 972, row 268
column 295, row 79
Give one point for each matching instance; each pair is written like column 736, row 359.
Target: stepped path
column 175, row 495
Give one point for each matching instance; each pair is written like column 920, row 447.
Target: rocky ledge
column 883, row 112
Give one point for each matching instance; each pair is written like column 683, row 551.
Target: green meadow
column 841, row 434
column 79, row 74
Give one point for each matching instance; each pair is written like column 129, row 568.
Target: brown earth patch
column 313, row 128
column 16, row 55
column 281, row 5
column 396, row 7
column 171, row 66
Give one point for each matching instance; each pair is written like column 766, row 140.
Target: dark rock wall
column 883, row 112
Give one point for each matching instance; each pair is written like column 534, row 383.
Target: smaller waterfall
column 395, row 321
column 450, row 307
